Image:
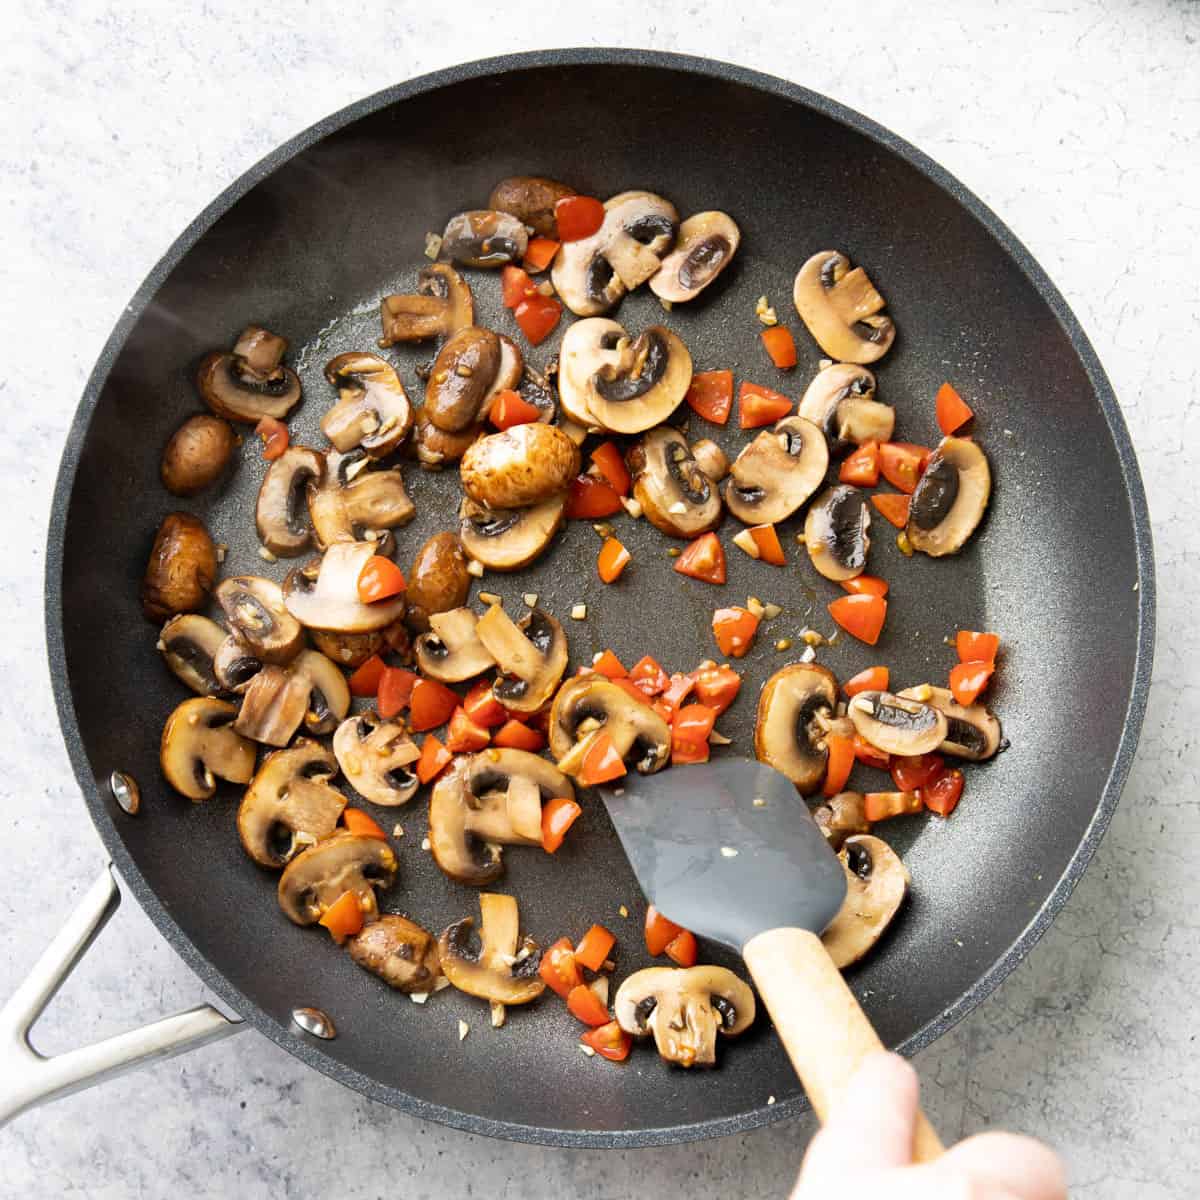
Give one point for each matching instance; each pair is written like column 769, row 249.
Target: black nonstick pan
column 307, row 241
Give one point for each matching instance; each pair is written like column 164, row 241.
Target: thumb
column 1019, row 1165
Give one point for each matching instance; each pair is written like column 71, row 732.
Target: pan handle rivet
column 125, row 792
column 316, row 1022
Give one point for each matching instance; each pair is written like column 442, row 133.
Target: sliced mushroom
column 589, row 702
column 675, row 494
column 452, row 651
column 289, row 804
column 259, row 351
column 442, row 305
column 484, row 238
column 352, row 500
column 519, row 467
column 531, row 654
column 199, row 746
column 348, row 649
column 251, row 383
column 438, row 581
column 235, row 664
column 373, row 409
column 537, row 389
column 181, row 570
column 950, row 497
column 399, row 951
column 512, row 539
column 273, row 706
column 842, row 309
column 255, row 612
column 531, row 199
column 639, row 230
column 972, row 731
column 842, row 816
column 196, row 455
column 795, row 715
column 328, row 694
column 281, row 515
column 324, row 593
column 188, row 644
column 706, row 245
column 711, row 459
column 774, row 475
column 584, row 278
column 318, row 877
column 897, row 725
column 876, row 884
column 436, row 447
column 685, row 1008
column 835, row 532
column 841, row 402
column 375, row 756
column 503, row 968
column 608, row 381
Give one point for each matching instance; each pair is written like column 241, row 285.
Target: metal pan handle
column 28, row 1078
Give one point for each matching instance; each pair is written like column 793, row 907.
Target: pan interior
column 309, row 250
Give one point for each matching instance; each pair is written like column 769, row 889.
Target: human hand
column 867, row 1144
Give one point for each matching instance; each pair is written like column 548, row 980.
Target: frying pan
column 305, row 243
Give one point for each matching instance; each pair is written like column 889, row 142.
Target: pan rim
column 266, row 1023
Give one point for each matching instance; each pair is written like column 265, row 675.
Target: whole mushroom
column 519, row 467
column 196, row 454
column 182, row 568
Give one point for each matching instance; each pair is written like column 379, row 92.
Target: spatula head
column 728, row 850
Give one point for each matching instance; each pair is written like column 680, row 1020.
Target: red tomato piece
column 380, row 579
column 463, row 736
column 431, row 705
column 609, row 1041
column 365, row 680
column 540, row 252
column 902, row 464
column 435, row 758
column 508, row 409
column 953, row 412
column 767, row 541
column 609, row 665
column 578, row 217
column 717, row 686
column 862, row 467
column 590, row 498
column 362, row 824
column 758, row 406
column 682, row 950
column 558, row 815
column 861, row 617
column 613, row 559
column 344, row 917
column 869, row 755
column 865, row 585
column 601, row 763
column 694, row 722
column 515, row 736
column 584, row 1005
column 275, row 438
column 558, row 968
column 780, row 345
column 595, row 947
column 968, row 679
column 659, row 931
column 976, row 647
column 892, row 507
column 704, row 559
column 537, row 316
column 482, row 706
column 395, row 691
column 839, row 763
column 711, row 395
column 515, row 286
column 873, row 679
column 909, row 774
column 943, row 794
column 734, row 629
column 649, row 676
column 608, row 461
column 881, row 806
column 678, row 690
column 684, row 751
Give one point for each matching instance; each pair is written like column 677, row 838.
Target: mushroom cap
column 324, row 593
column 436, row 447
column 438, row 580
column 373, row 410
column 950, row 497
column 460, row 382
column 255, row 612
column 876, row 884
column 897, row 725
column 491, row 971
column 199, row 745
column 484, row 238
column 376, row 756
column 795, row 710
column 972, row 731
column 348, row 649
column 352, row 500
column 531, row 655
column 774, row 475
column 508, row 540
column 281, row 514
column 289, row 803
column 441, row 306
column 196, row 454
column 181, row 569
column 238, row 395
column 188, row 644
column 638, row 733
column 842, row 309
column 399, row 951
column 345, row 862
column 452, row 651
column 519, row 467
column 531, row 199
column 705, row 246
column 835, row 532
column 841, row 402
column 676, row 495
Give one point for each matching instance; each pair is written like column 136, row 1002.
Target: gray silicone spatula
column 731, row 852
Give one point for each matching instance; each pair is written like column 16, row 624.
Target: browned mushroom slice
column 452, row 652
column 531, row 654
column 639, row 230
column 461, row 379
column 589, row 702
column 188, row 644
column 318, row 877
column 373, row 409
column 235, row 664
column 835, row 532
column 876, row 884
column 841, row 402
column 348, row 649
column 199, row 746
column 352, row 500
column 795, row 716
column 842, row 816
column 376, row 756
column 181, row 570
column 685, row 1008
column 503, row 968
column 510, row 539
column 438, row 580
column 774, row 475
column 255, row 611
column 519, row 467
column 399, row 951
column 711, row 459
column 675, row 493
column 273, row 706
column 706, row 245
column 196, row 455
column 324, row 593
column 842, row 309
column 436, row 447
column 531, row 199
column 484, row 238
column 897, row 725
column 950, row 498
column 281, row 514
column 251, row 383
column 441, row 306
column 972, row 731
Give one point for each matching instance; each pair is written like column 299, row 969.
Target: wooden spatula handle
column 823, row 1028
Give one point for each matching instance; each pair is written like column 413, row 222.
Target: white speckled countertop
column 1077, row 121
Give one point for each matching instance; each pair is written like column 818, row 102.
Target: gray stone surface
column 1076, row 120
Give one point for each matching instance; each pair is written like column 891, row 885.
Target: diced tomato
column 602, row 763
column 873, row 679
column 558, row 815
column 540, row 252
column 717, row 686
column 694, row 722
column 537, row 316
column 893, row 507
column 482, row 706
column 780, row 345
column 711, row 395
column 515, row 736
column 275, row 438
column 659, row 931
column 515, row 286
column 558, row 968
column 609, row 665
column 734, row 629
column 943, row 794
column 431, row 705
column 595, row 947
column 767, row 541
column 681, row 949
column 869, row 755
column 880, row 806
column 976, row 647
column 839, row 763
column 508, row 409
column 704, row 559
column 578, row 217
column 635, row 691
column 649, row 676
column 862, row 467
column 395, row 691
column 362, row 824
column 380, row 579
column 678, row 689
column 365, row 680
column 968, row 679
column 953, row 412
column 612, row 560
column 343, row 918
column 902, row 464
column 684, row 751
column 463, row 736
column 609, row 1041
column 860, row 616
column 590, row 498
column 608, row 461
column 584, row 1005
column 758, row 406
column 435, row 758
column 865, row 585
column 909, row 774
